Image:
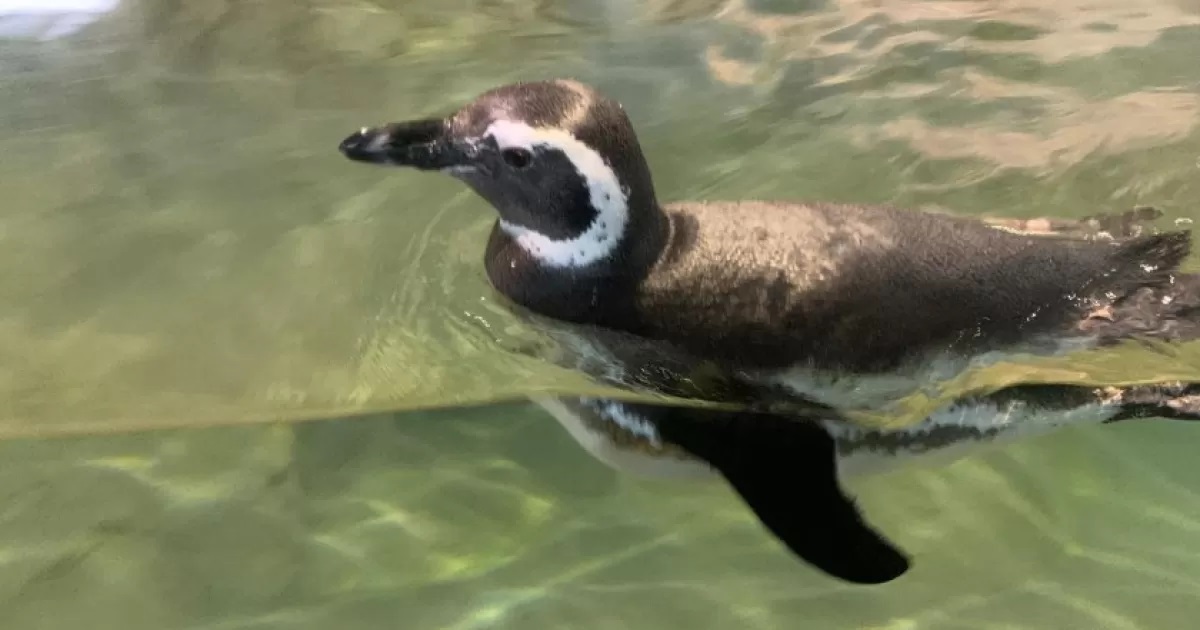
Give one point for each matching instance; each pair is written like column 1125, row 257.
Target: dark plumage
column 720, row 300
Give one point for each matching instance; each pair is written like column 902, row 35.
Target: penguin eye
column 516, row 158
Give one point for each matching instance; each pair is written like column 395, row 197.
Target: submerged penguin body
column 793, row 311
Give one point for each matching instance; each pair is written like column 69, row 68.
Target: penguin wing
column 785, row 470
column 868, row 286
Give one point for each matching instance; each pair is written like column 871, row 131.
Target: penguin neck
column 602, row 292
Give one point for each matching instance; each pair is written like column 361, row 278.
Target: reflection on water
column 193, row 252
column 490, row 518
column 49, row 19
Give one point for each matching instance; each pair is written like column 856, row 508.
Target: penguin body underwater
column 814, row 305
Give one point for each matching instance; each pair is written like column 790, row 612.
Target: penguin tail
column 1153, row 259
column 1156, row 302
column 1168, row 312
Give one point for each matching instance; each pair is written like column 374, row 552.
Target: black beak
column 421, row 144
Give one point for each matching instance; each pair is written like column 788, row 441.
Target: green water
column 185, row 248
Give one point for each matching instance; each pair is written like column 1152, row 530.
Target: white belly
column 861, row 451
column 862, row 392
column 1008, row 423
column 876, row 391
column 602, row 447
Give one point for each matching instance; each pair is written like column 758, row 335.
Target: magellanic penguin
column 823, row 302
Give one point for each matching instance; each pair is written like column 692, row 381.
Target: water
column 193, row 253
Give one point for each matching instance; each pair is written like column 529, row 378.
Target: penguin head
column 558, row 161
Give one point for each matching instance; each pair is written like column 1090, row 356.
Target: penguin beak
column 421, row 144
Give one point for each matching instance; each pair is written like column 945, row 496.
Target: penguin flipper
column 785, row 469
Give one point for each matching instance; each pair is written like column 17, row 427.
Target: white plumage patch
column 601, row 446
column 867, row 391
column 863, row 452
column 993, row 424
column 626, row 419
column 607, row 196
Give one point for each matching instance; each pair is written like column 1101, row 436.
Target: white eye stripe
column 605, row 192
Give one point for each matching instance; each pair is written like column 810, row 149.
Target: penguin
column 793, row 312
